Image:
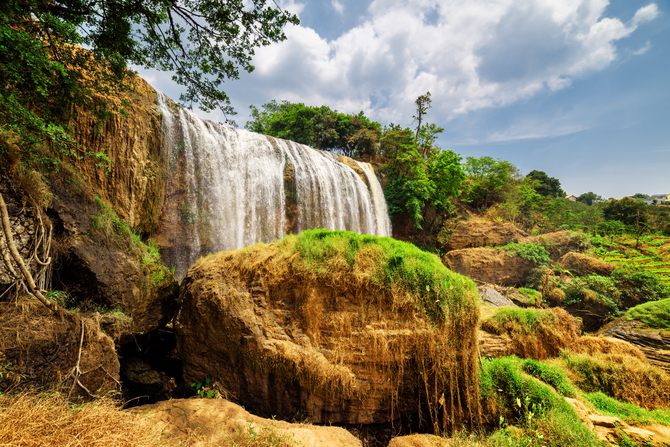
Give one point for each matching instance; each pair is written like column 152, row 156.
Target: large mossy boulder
column 335, row 326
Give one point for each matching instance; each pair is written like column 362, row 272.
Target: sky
column 579, row 89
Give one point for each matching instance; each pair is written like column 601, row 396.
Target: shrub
column 637, row 285
column 534, row 297
column 528, row 250
column 593, row 289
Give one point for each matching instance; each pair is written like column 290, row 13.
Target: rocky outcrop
column 102, row 269
column 613, row 431
column 489, row 265
column 654, row 343
column 580, row 264
column 474, row 233
column 132, row 180
column 206, row 422
column 38, row 348
column 286, row 344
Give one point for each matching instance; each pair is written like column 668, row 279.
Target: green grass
column 543, row 416
column 534, row 297
column 627, row 412
column 654, row 313
column 528, row 320
column 552, row 375
column 396, row 265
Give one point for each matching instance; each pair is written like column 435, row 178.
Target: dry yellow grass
column 534, row 333
column 49, row 420
column 623, row 377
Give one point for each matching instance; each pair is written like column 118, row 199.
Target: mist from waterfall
column 227, row 188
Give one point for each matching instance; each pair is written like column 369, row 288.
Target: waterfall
column 228, row 188
column 383, row 227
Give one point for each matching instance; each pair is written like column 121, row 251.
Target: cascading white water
column 226, row 189
column 381, row 212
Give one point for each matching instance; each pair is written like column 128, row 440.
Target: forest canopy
column 46, row 76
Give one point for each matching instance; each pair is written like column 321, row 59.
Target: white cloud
column 339, row 7
column 643, row 50
column 645, row 14
column 470, row 54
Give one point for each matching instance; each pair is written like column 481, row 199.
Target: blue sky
column 576, row 88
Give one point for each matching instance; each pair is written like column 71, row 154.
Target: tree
column 589, row 198
column 546, row 186
column 630, row 212
column 319, row 127
column 46, row 77
column 490, row 179
column 423, row 103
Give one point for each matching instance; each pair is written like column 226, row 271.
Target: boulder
column 100, row 269
column 489, row 265
column 580, row 264
column 206, row 422
column 474, row 233
column 334, row 348
column 654, row 343
column 491, row 296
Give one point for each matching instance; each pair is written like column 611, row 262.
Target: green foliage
column 638, row 285
column 534, row 297
column 531, row 251
column 318, row 127
column 595, row 289
column 627, row 412
column 654, row 313
column 551, row 375
column 414, row 182
column 490, row 180
column 106, row 222
column 47, row 78
column 588, row 198
column 399, row 266
column 545, row 417
column 546, row 186
column 204, row 390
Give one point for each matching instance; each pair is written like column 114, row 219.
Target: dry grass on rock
column 534, row 333
column 49, row 420
column 623, row 377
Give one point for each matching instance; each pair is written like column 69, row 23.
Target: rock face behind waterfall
column 329, row 346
